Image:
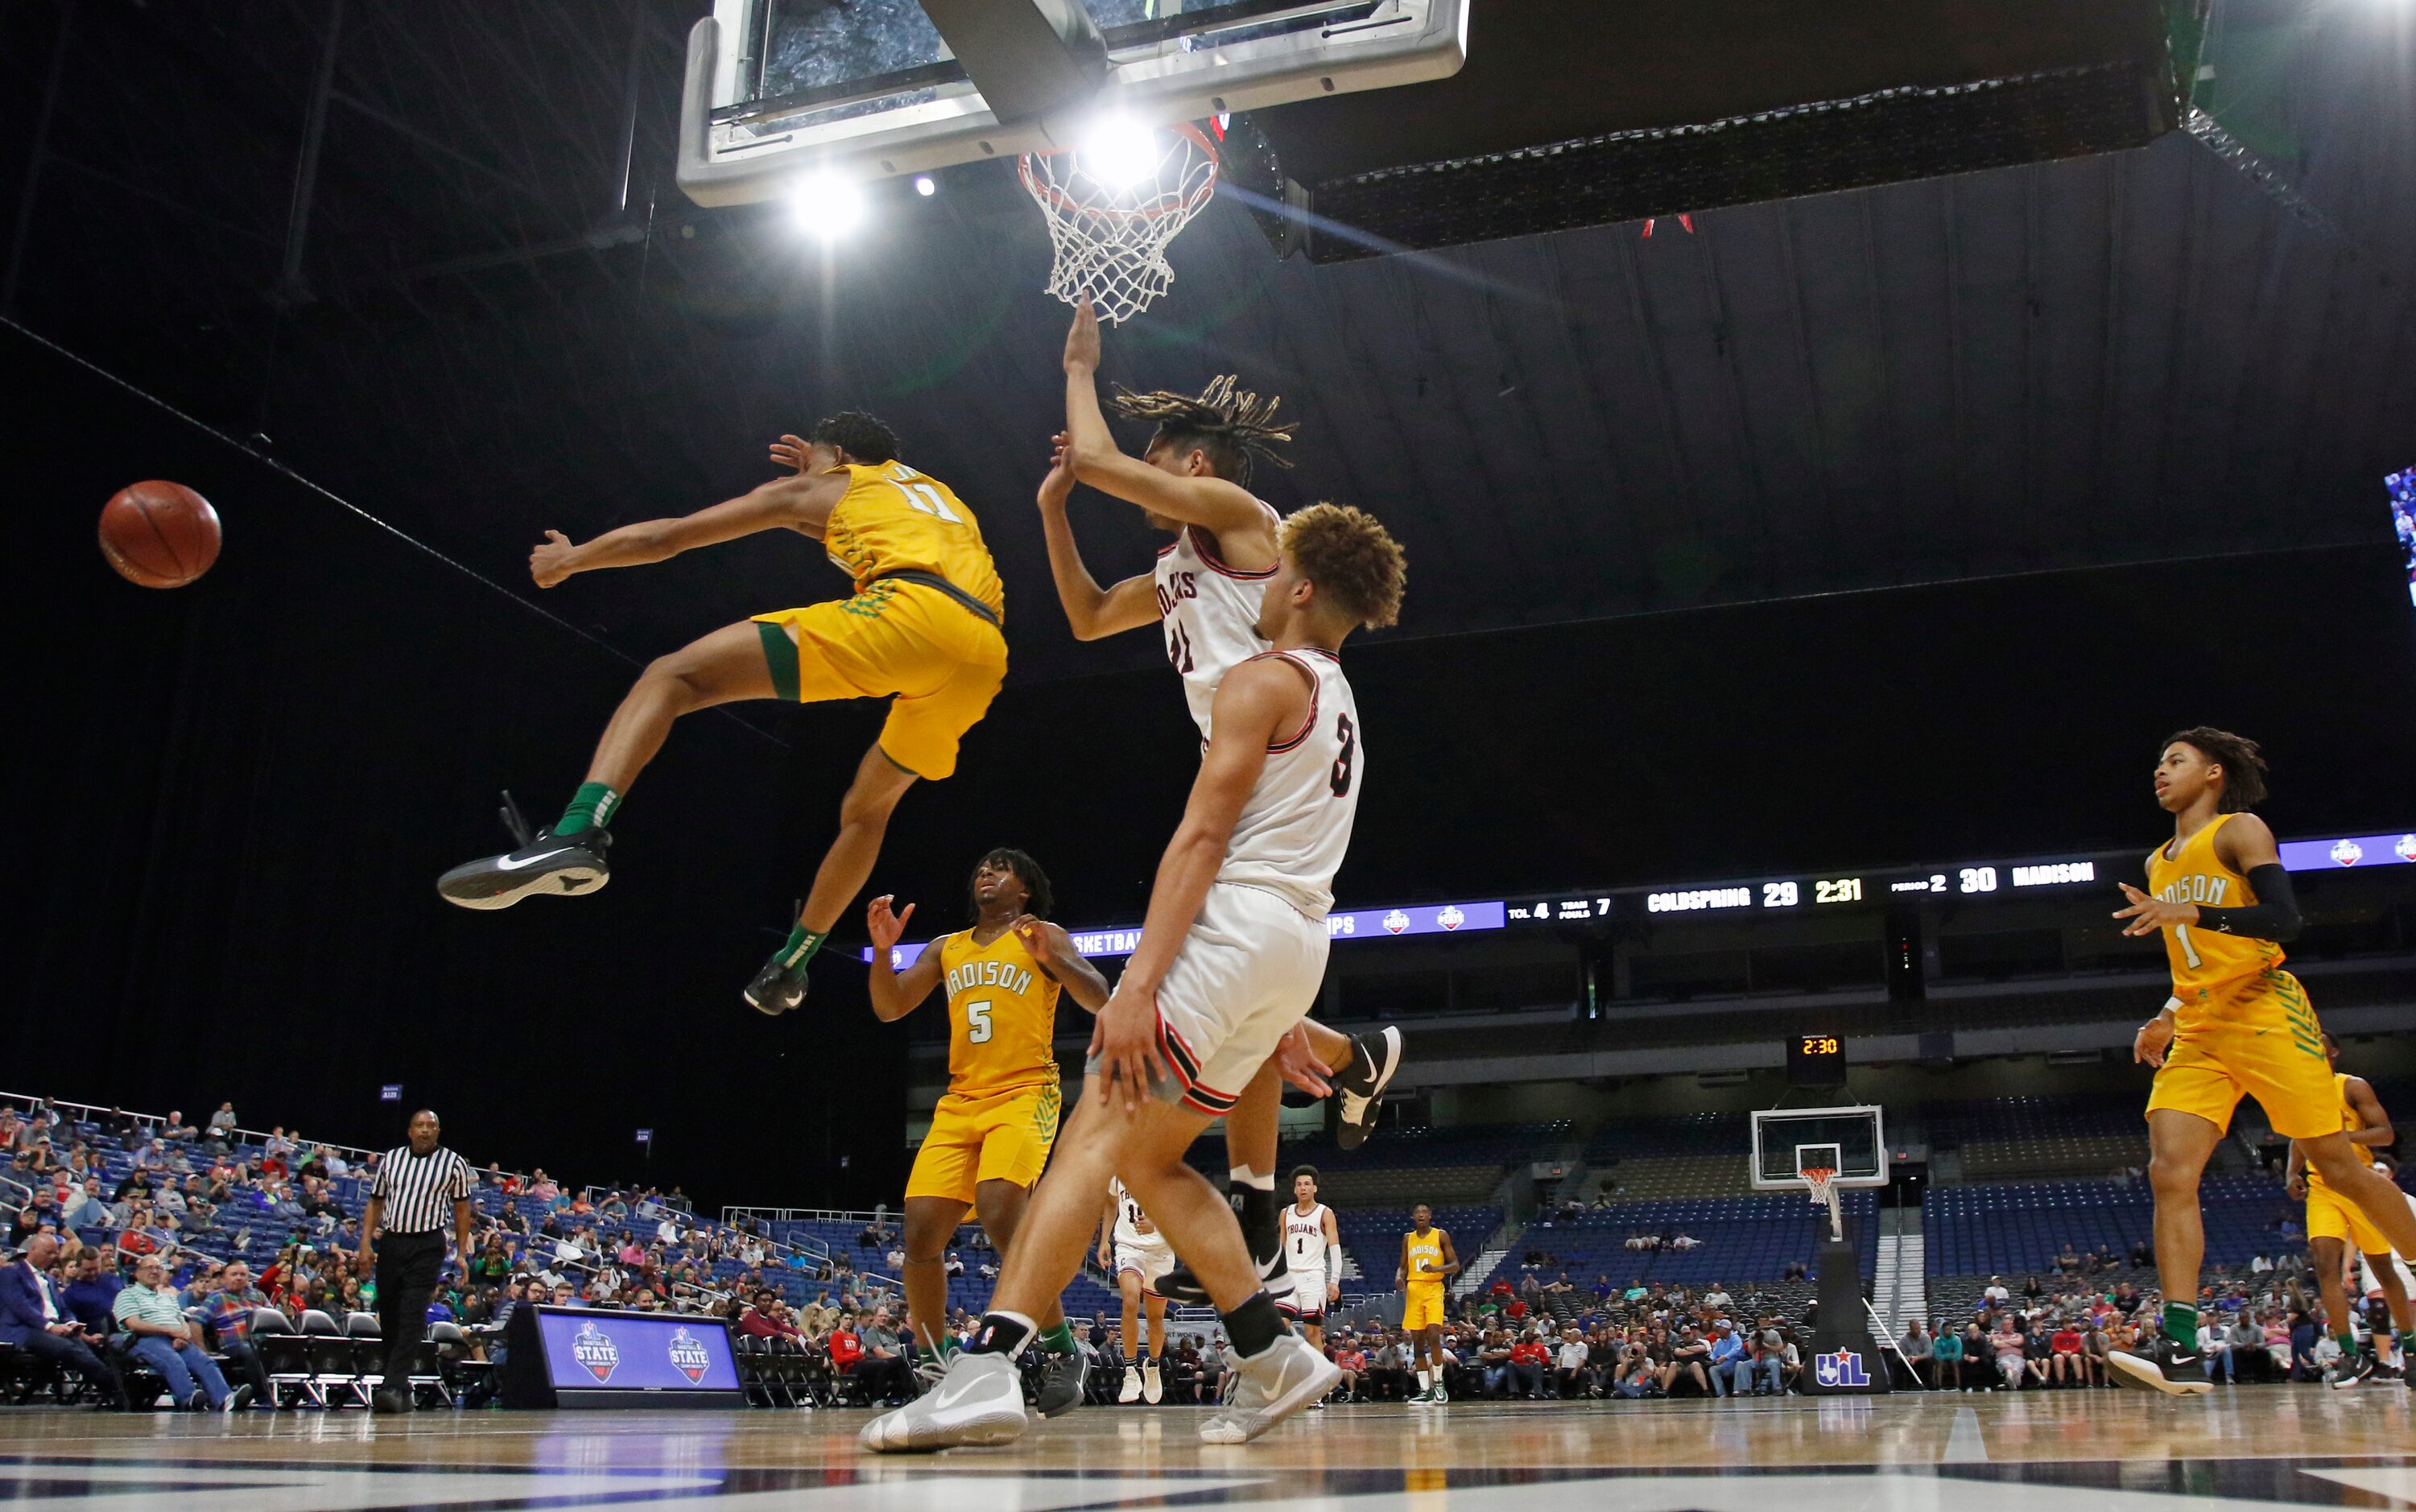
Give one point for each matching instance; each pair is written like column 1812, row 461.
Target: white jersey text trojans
column 1295, row 826
column 1304, row 1244
column 1209, row 614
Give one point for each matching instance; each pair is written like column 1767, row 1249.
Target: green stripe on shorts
column 780, row 657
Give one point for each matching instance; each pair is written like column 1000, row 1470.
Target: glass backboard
column 777, row 88
column 1783, row 1137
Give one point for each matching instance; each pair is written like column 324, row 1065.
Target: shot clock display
column 1816, row 1060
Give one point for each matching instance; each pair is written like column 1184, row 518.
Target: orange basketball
column 158, row 535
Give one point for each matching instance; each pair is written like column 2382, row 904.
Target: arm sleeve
column 2273, row 916
column 1334, row 1264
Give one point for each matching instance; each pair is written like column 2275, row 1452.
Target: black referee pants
column 407, row 1267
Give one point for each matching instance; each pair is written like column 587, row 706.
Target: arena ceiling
column 501, row 317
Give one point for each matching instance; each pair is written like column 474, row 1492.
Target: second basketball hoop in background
column 1114, row 202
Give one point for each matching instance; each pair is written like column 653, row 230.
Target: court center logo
column 594, row 1349
column 1843, row 1368
column 689, row 1356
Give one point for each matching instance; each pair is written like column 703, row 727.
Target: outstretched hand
column 885, row 927
column 790, row 452
column 549, row 560
column 2148, row 915
column 1058, row 485
column 1082, row 340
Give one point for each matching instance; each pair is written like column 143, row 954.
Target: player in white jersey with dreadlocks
column 1204, row 597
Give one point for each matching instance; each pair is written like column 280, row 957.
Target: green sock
column 802, row 944
column 939, row 1356
column 2347, row 1344
column 1060, row 1338
column 2181, row 1325
column 592, row 806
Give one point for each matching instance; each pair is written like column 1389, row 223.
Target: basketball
column 158, row 535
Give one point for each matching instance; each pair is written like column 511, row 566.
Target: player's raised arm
column 1201, row 498
column 1256, row 700
column 896, row 993
column 1053, row 950
column 803, row 498
column 1093, row 611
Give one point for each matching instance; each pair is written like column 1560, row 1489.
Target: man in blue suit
column 35, row 1318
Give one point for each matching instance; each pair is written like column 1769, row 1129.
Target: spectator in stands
column 1994, row 1294
column 1726, row 1360
column 1352, row 1362
column 2031, row 1290
column 1689, row 1360
column 1797, row 1270
column 2007, row 1346
column 170, row 1343
column 1918, row 1347
column 1571, row 1375
column 228, row 1298
column 1637, row 1373
column 223, row 1125
column 176, row 1128
column 35, row 1318
column 1531, row 1357
column 91, row 1291
column 2069, row 1357
column 1945, row 1358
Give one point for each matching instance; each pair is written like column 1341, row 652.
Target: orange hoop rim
column 1190, row 204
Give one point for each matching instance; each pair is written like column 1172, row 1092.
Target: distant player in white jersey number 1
column 1230, row 953
column 1312, row 1259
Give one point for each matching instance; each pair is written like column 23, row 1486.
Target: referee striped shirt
column 420, row 1190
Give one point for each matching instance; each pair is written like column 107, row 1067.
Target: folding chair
column 285, row 1356
column 368, row 1353
column 330, row 1353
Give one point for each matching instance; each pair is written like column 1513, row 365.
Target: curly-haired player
column 922, row 629
column 1231, row 952
column 2237, row 1025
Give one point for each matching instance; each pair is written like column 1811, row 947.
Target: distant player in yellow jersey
column 1428, row 1263
column 923, row 629
column 2334, row 1226
column 2236, row 1024
column 991, row 1131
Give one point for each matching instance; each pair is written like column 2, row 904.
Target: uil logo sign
column 689, row 1356
column 1843, row 1368
column 595, row 1351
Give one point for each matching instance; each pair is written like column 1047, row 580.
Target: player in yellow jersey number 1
column 923, row 630
column 991, row 1131
column 2237, row 1025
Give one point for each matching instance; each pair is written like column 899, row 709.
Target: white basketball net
column 1819, row 1183
column 1110, row 236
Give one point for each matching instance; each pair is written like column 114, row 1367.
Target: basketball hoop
column 1111, row 233
column 1819, row 1182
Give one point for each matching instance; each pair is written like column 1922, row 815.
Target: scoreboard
column 1818, row 892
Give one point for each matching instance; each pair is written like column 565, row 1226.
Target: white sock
column 1424, row 1381
column 1245, row 1176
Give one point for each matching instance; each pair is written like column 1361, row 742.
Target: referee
column 415, row 1184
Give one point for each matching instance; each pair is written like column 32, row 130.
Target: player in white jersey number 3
column 1231, row 951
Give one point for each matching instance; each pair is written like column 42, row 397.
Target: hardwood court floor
column 2051, row 1452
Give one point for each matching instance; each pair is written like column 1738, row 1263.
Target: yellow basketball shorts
column 2331, row 1215
column 1421, row 1307
column 2258, row 1039
column 999, row 1136
column 938, row 663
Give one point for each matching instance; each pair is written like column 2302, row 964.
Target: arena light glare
column 926, row 186
column 1119, row 151
column 828, row 204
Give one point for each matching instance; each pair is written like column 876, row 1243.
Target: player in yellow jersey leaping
column 2236, row 1024
column 923, row 630
column 991, row 1131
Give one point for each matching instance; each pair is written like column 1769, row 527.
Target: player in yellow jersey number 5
column 2236, row 1025
column 993, row 1128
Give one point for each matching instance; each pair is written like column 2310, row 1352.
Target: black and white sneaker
column 1359, row 1089
column 780, row 985
column 1062, row 1377
column 1261, row 1214
column 2164, row 1367
column 560, row 866
column 2344, row 1374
